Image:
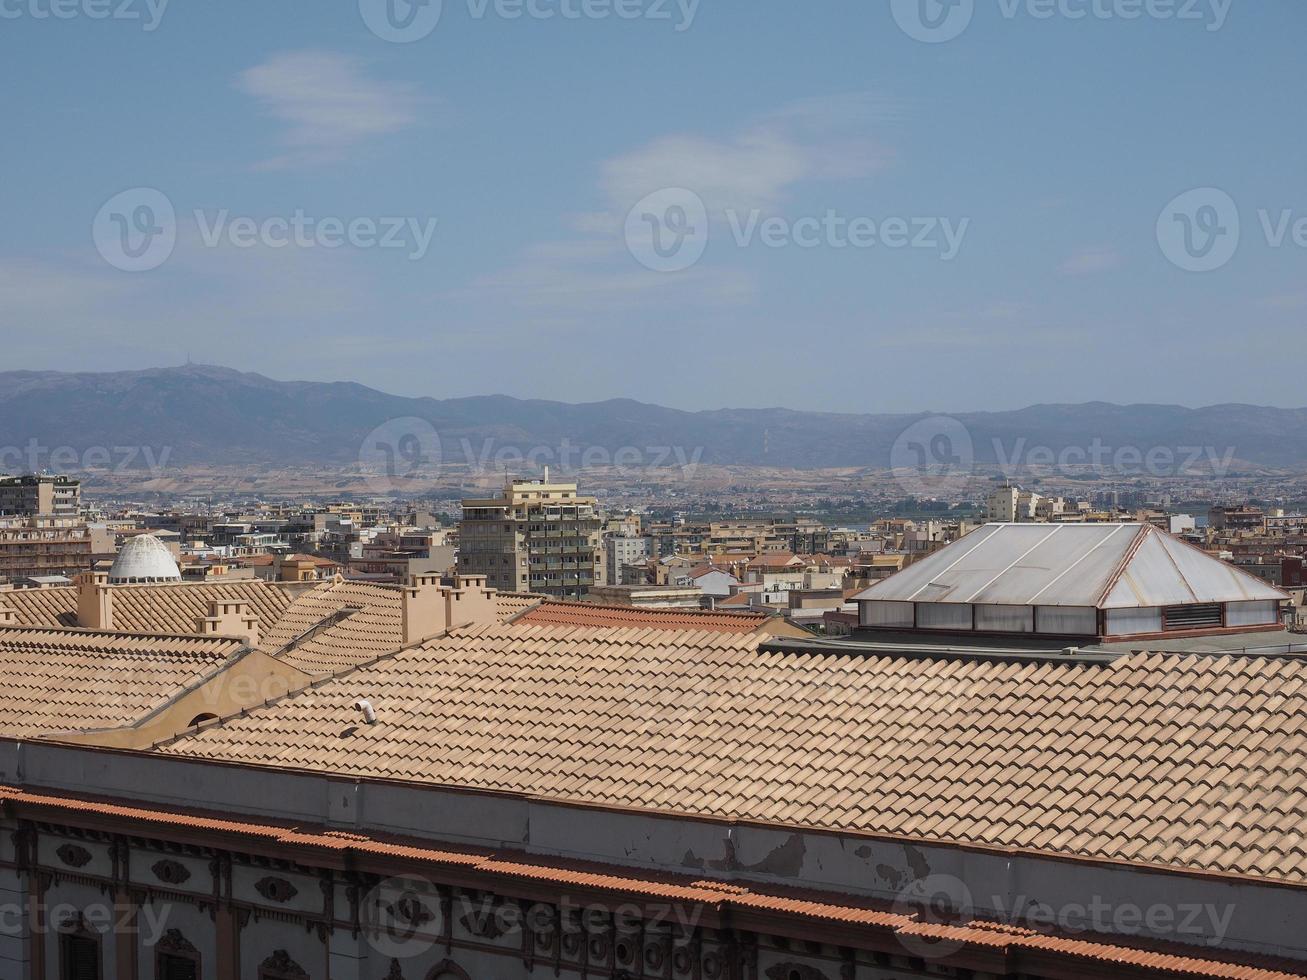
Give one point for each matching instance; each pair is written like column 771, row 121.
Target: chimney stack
column 230, row 617
column 94, row 601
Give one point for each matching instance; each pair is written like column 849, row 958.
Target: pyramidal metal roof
column 1108, row 566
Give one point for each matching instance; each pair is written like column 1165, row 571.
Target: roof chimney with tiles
column 94, row 601
column 471, row 600
column 423, row 608
column 8, row 615
column 230, row 617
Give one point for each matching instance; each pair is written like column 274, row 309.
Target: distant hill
column 207, row 415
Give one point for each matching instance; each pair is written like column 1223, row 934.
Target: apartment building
column 32, row 496
column 37, row 547
column 537, row 536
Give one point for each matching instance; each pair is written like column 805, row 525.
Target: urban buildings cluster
column 561, row 738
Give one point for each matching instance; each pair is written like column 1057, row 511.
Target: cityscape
column 653, row 490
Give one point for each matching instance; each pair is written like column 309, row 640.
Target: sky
column 885, row 206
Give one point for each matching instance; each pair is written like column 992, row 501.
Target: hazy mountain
column 216, row 415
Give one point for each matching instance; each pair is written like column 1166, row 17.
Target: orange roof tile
column 558, row 613
column 373, row 626
column 1166, row 754
column 78, row 680
column 175, row 608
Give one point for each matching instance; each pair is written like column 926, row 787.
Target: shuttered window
column 177, row 968
column 79, row 958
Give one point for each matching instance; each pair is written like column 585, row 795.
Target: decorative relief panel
column 276, row 889
column 73, row 855
column 171, row 872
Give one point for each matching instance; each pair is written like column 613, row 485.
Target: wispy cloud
column 1089, row 261
column 811, row 139
column 328, row 104
column 755, row 166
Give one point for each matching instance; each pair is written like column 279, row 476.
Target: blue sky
column 1051, row 145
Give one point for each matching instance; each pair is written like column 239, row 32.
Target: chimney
column 94, row 601
column 430, row 607
column 471, row 600
column 8, row 615
column 230, row 617
column 423, row 608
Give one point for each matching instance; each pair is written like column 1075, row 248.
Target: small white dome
column 144, row 559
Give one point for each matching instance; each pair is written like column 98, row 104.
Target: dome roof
column 144, row 559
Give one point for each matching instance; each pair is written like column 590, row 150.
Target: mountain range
column 207, row 415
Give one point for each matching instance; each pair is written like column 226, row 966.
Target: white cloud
column 327, row 103
column 813, row 139
column 1089, row 261
column 756, row 166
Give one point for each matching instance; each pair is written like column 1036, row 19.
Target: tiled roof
column 375, row 626
column 175, row 608
column 1012, row 947
column 510, row 604
column 554, row 613
column 1193, row 762
column 76, row 680
column 42, row 607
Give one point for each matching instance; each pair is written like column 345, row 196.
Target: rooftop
column 1106, row 566
column 1188, row 762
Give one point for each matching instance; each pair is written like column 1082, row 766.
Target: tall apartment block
column 537, row 536
column 45, row 496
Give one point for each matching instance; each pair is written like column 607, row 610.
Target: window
column 175, row 958
column 171, row 966
column 79, row 957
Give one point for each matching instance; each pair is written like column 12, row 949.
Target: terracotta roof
column 175, row 608
column 373, row 626
column 510, row 604
column 1013, row 949
column 557, row 613
column 1193, row 762
column 780, row 559
column 42, row 607
column 77, row 680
